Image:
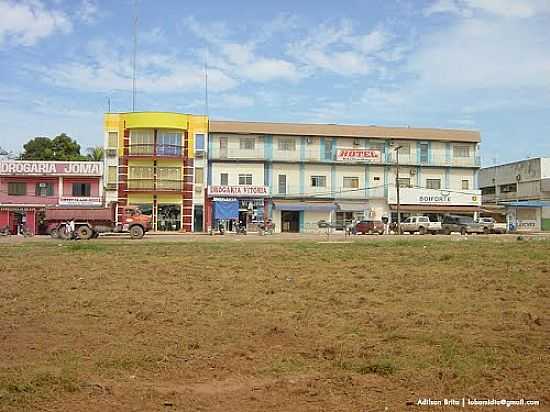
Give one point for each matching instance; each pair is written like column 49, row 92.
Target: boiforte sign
column 238, row 191
column 368, row 155
column 37, row 168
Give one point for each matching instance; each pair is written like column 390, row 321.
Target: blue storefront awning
column 303, row 206
column 226, row 210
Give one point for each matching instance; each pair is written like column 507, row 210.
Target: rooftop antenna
column 206, row 82
column 108, row 104
column 134, row 59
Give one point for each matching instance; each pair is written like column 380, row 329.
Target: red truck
column 91, row 221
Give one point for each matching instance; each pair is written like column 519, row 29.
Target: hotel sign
column 40, row 168
column 368, row 155
column 414, row 196
column 238, row 191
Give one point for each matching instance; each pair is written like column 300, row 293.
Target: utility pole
column 396, row 148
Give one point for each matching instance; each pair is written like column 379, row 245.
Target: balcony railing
column 154, row 185
column 155, row 150
column 314, row 155
column 294, row 191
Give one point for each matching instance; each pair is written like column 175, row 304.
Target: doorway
column 169, row 218
column 290, row 221
column 197, row 219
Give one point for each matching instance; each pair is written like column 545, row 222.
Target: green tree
column 95, row 153
column 61, row 147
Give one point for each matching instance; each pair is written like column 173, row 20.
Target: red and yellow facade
column 154, row 159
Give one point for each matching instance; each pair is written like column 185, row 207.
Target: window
column 17, row 188
column 351, row 182
column 405, row 149
column 328, row 150
column 199, row 175
column 424, row 152
column 490, row 190
column 404, row 182
column 318, row 181
column 245, row 179
column 112, row 174
column 433, row 183
column 461, row 151
column 247, row 143
column 465, row 184
column 287, row 145
column 223, row 143
column 169, row 178
column 168, row 143
column 140, row 177
column 200, row 139
column 509, row 188
column 43, row 189
column 81, row 189
column 112, row 140
column 224, row 179
column 282, row 184
column 142, row 141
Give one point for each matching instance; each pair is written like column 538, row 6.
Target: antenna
column 206, row 82
column 134, row 59
column 108, row 104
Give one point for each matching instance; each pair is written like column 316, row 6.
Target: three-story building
column 299, row 174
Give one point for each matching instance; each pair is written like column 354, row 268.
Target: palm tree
column 95, row 153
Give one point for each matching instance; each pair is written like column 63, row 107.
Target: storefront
column 231, row 205
column 165, row 210
column 295, row 216
column 527, row 215
column 433, row 203
column 28, row 187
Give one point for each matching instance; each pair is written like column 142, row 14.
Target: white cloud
column 28, row 21
column 232, row 101
column 504, row 8
column 484, row 53
column 111, row 69
column 88, row 11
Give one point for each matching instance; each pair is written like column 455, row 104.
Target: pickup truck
column 420, row 224
column 491, row 226
column 462, row 224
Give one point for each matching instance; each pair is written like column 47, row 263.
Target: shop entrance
column 290, row 221
column 169, row 218
column 197, row 219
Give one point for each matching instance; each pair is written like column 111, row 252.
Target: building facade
column 28, row 187
column 157, row 161
column 299, row 174
column 521, row 191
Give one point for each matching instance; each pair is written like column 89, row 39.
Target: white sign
column 238, row 191
column 434, row 197
column 39, row 168
column 369, row 155
column 79, row 201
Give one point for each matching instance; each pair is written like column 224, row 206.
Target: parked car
column 491, row 226
column 368, row 227
column 420, row 224
column 461, row 224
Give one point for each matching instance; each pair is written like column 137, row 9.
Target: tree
column 95, row 153
column 62, row 147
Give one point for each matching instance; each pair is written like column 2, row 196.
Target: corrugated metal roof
column 336, row 130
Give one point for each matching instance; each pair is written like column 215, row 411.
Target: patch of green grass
column 87, row 247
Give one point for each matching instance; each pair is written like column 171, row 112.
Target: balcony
column 152, row 150
column 434, row 160
column 295, row 191
column 152, row 185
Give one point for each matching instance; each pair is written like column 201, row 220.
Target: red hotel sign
column 369, row 155
column 39, row 168
column 238, row 191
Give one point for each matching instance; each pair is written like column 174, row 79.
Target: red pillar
column 187, row 193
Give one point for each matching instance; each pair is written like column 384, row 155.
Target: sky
column 466, row 64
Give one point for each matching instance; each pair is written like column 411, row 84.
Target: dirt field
column 281, row 325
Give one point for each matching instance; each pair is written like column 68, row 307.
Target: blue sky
column 474, row 64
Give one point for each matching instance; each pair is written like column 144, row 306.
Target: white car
column 420, row 224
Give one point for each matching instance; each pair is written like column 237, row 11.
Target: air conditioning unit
column 199, row 154
column 356, row 142
column 110, row 152
column 309, row 140
column 412, row 172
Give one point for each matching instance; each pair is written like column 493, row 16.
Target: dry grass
column 278, row 326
